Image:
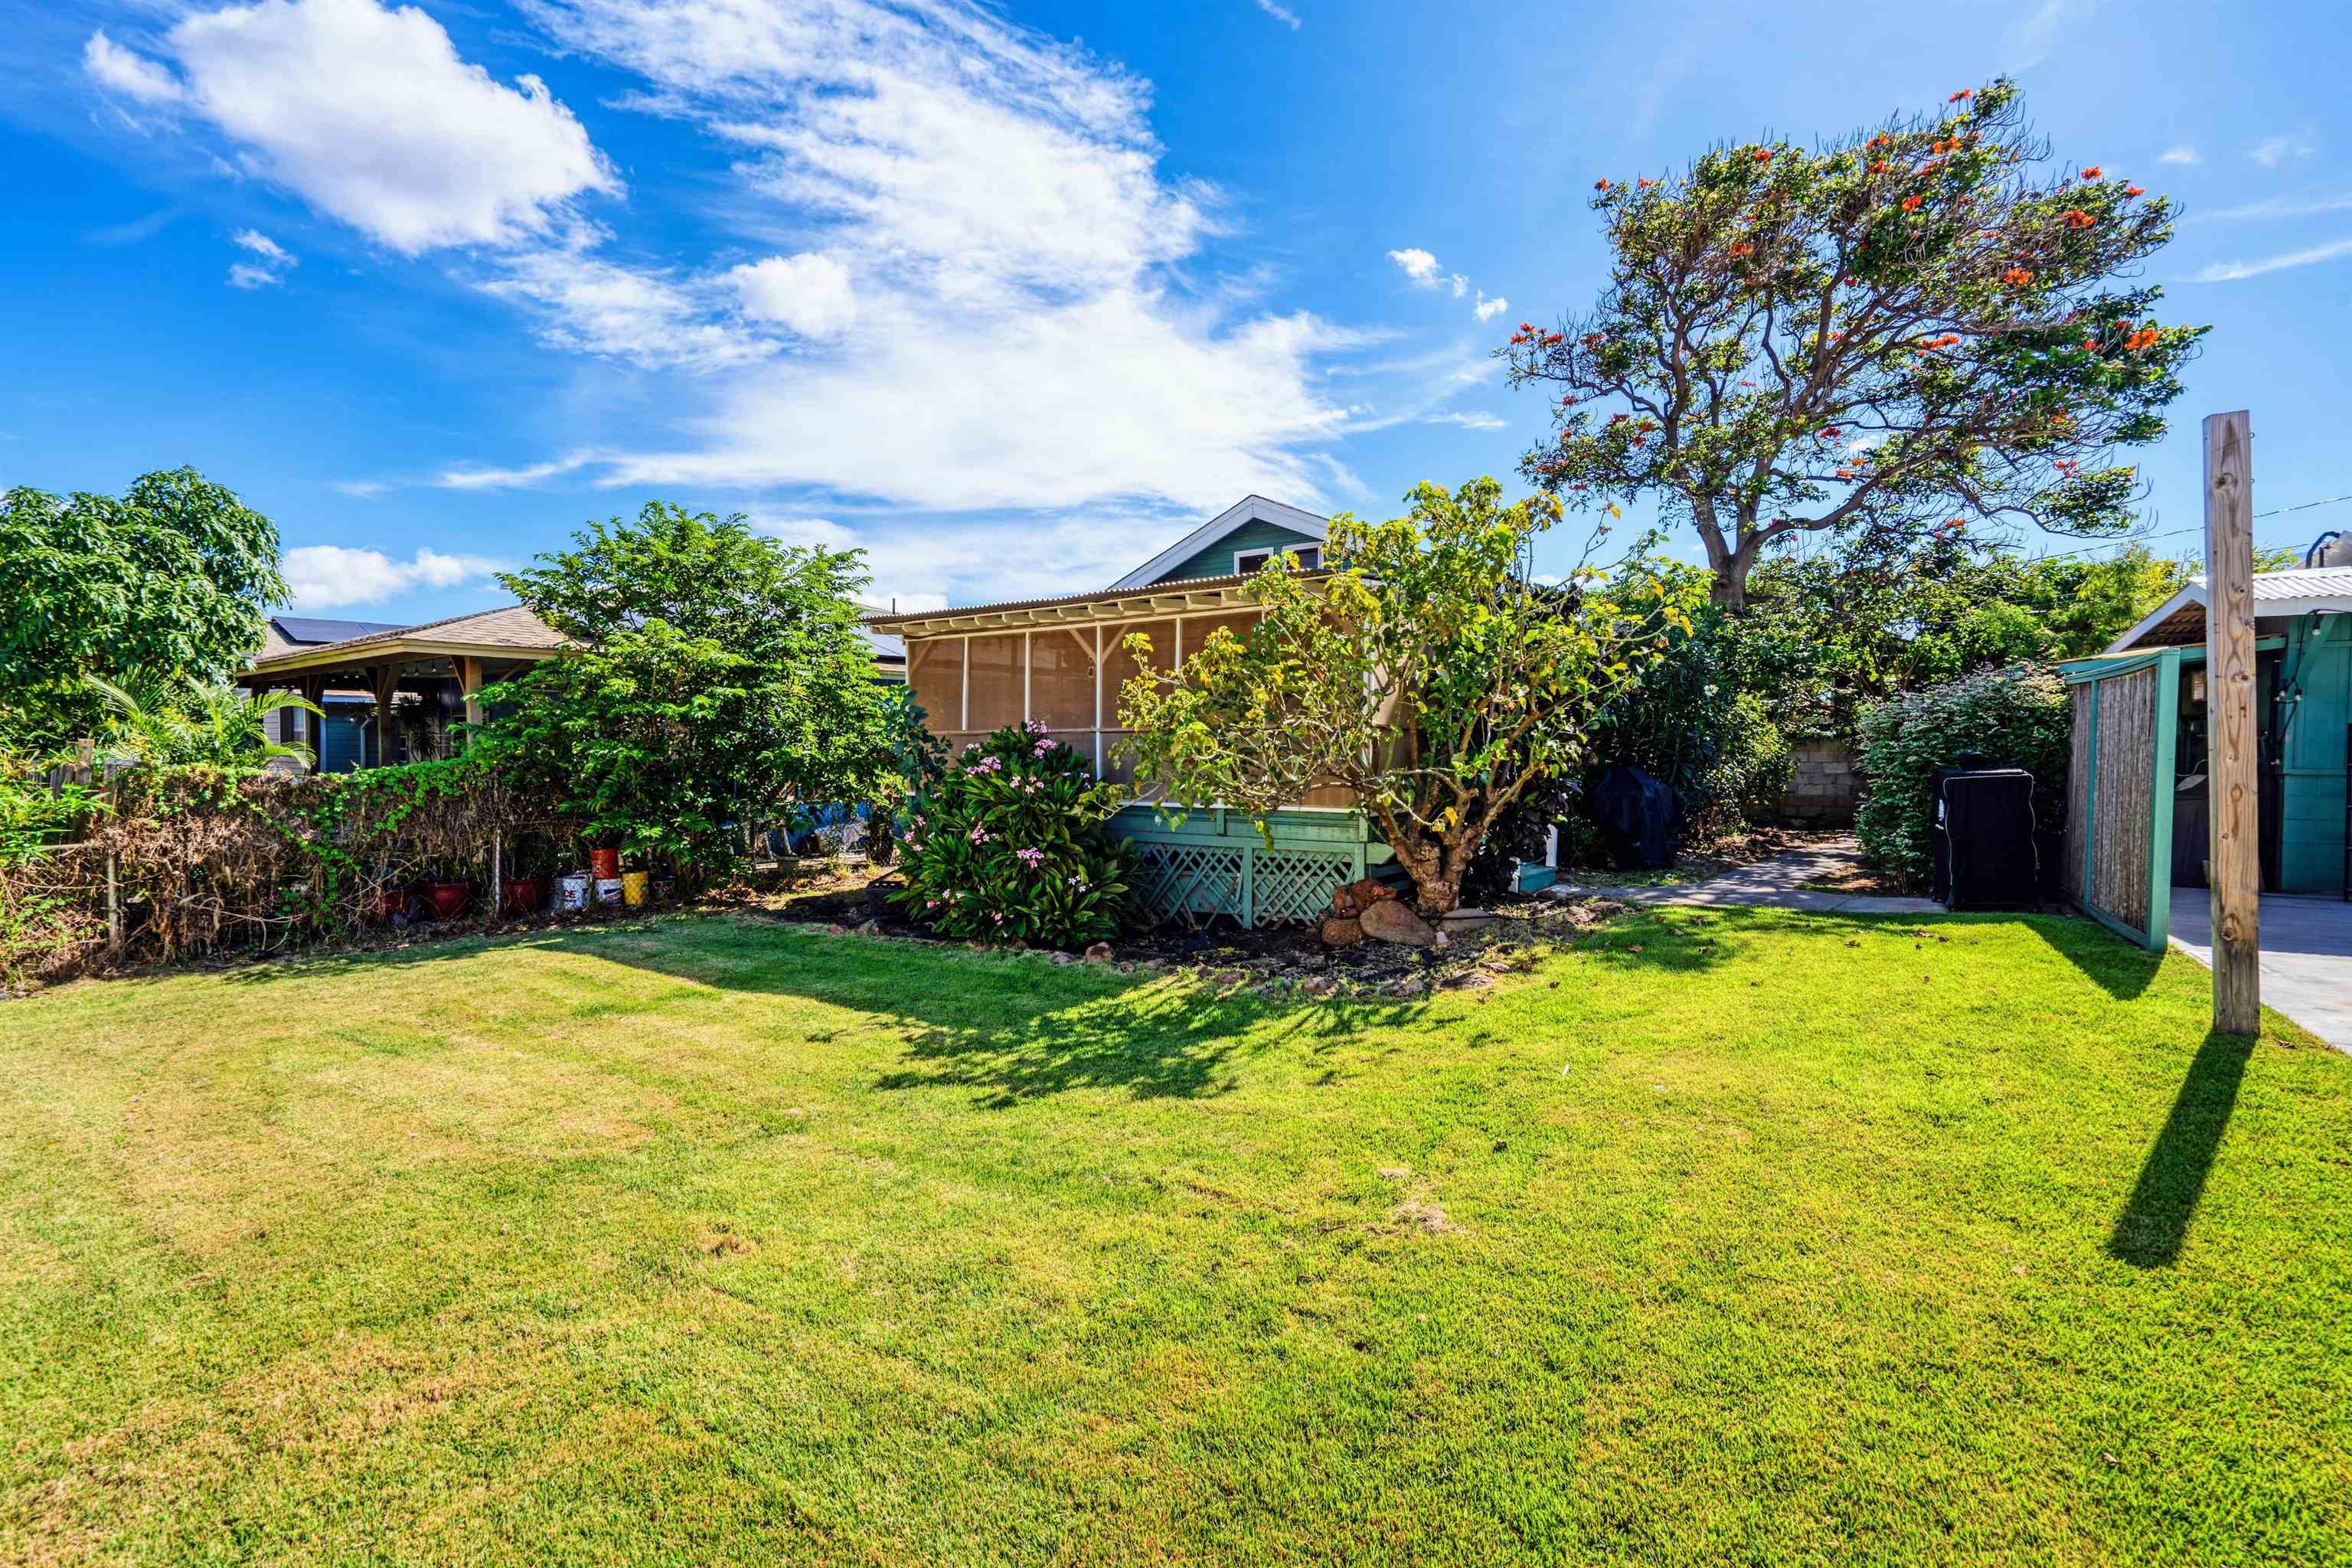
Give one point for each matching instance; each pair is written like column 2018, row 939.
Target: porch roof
column 511, row 632
column 1189, row 595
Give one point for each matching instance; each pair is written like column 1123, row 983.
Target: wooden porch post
column 469, row 682
column 314, row 727
column 385, row 680
column 2236, row 836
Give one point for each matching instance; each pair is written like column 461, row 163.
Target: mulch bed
column 1282, row 960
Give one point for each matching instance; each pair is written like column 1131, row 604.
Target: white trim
column 1248, row 510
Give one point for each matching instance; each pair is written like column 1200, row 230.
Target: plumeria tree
column 1918, row 327
column 1431, row 677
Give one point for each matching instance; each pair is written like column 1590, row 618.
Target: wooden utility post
column 2233, row 784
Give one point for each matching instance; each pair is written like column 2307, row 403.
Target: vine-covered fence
column 176, row 864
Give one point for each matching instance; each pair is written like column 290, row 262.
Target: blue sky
column 1012, row 297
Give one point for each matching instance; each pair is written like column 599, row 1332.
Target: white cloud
column 135, row 76
column 2182, row 153
column 332, row 576
column 593, row 306
column 1282, row 14
column 489, row 479
column 2273, row 151
column 2232, row 271
column 1467, row 419
column 261, row 245
column 1023, row 333
column 2031, row 38
column 2276, row 207
column 810, row 294
column 275, row 261
column 1487, row 309
column 370, row 116
column 1422, row 271
column 1418, row 265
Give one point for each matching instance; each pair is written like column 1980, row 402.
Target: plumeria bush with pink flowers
column 1014, row 845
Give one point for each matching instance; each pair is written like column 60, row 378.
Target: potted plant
column 445, row 895
column 392, row 898
column 524, row 890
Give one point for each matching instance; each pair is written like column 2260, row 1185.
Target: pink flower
column 979, row 833
column 1032, row 858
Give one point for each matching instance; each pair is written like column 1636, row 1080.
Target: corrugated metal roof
column 2304, row 582
column 1173, row 586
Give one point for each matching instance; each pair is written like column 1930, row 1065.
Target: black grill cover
column 1984, row 840
column 1638, row 817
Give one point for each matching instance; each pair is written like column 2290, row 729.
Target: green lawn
column 1754, row 1238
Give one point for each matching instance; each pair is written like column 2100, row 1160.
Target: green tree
column 170, row 581
column 720, row 677
column 1429, row 676
column 187, row 724
column 1908, row 329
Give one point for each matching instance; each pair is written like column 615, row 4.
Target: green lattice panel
column 1294, row 885
column 1189, row 881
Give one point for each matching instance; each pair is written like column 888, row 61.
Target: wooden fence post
column 2233, row 788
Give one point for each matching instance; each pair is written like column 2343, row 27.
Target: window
column 1246, row 562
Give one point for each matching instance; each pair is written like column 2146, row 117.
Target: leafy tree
column 186, row 724
column 1823, row 637
column 169, row 581
column 1911, row 328
column 1429, row 676
column 720, row 677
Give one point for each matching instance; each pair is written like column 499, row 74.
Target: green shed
column 2137, row 816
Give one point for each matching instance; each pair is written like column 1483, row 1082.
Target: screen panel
column 996, row 681
column 1062, row 679
column 935, row 671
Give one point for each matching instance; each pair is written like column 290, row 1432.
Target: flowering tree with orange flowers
column 1905, row 331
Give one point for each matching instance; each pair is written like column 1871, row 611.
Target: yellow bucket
column 635, row 887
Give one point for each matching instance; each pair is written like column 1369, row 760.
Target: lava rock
column 1389, row 921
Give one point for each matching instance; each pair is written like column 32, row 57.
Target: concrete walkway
column 1778, row 883
column 2306, row 955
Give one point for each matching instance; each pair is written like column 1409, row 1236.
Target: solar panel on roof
column 312, row 630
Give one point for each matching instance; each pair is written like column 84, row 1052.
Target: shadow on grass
column 1010, row 1027
column 2120, row 967
column 2154, row 1219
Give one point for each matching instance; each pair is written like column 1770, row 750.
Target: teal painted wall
column 1217, row 560
column 2317, row 660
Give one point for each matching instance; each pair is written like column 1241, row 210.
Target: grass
column 1751, row 1237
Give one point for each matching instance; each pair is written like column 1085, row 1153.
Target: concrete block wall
column 1825, row 786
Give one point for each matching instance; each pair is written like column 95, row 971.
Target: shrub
column 2017, row 717
column 1689, row 721
column 1517, row 834
column 1014, row 845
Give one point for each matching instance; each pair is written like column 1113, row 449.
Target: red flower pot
column 446, row 898
column 604, row 865
column 526, row 895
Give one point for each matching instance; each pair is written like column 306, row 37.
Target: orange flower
column 1938, row 147
column 2017, row 276
column 1644, row 181
column 2090, row 345
column 1962, row 96
column 1600, row 185
column 1763, row 154
column 2143, row 339
column 1911, row 203
column 1878, row 166
column 1845, row 473
column 2077, row 218
column 2092, row 173
column 2136, row 191
column 1743, row 248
